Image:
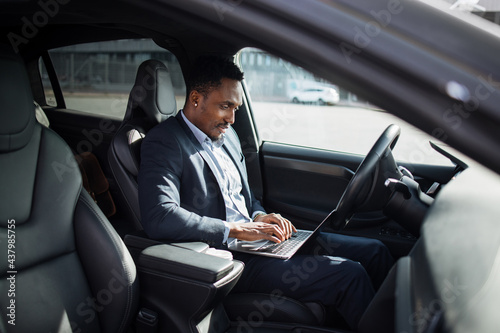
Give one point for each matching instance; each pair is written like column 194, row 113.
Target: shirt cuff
column 226, row 232
column 257, row 212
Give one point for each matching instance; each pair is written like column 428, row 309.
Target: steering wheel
column 377, row 164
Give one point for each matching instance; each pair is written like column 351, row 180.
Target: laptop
column 284, row 250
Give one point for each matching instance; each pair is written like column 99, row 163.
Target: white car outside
column 322, row 96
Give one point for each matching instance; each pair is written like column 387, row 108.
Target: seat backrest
column 151, row 101
column 67, row 268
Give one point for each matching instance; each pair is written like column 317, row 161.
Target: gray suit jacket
column 179, row 196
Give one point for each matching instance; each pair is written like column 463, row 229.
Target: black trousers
column 335, row 270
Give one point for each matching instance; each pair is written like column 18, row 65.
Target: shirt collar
column 200, row 136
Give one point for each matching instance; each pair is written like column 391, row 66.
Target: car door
column 73, row 112
column 304, row 155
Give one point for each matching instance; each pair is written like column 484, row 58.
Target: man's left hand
column 282, row 222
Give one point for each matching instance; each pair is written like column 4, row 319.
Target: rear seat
column 94, row 180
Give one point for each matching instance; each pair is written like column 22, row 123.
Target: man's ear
column 194, row 98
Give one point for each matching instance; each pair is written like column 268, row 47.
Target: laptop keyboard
column 287, row 246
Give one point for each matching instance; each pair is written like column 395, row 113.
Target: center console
column 184, row 288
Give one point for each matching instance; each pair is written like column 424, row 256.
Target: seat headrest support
column 153, row 94
column 17, row 111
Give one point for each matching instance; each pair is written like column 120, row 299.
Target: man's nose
column 230, row 117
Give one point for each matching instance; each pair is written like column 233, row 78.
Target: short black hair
column 208, row 72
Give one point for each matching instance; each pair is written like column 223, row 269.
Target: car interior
column 74, row 255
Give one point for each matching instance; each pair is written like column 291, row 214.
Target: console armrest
column 138, row 241
column 183, row 262
column 193, row 246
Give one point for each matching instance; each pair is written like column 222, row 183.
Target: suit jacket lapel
column 233, row 151
column 197, row 145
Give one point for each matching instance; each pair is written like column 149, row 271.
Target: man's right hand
column 250, row 231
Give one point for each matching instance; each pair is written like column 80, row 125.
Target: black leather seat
column 151, row 101
column 68, row 269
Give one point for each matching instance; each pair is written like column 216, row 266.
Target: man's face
column 215, row 112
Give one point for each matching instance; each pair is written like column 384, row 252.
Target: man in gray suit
column 193, row 187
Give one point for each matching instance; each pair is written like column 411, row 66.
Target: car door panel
column 84, row 132
column 303, row 184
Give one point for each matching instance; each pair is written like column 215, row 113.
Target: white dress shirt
column 227, row 176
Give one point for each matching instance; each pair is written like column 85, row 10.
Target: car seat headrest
column 152, row 94
column 17, row 111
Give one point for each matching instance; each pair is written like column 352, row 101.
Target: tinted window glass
column 97, row 77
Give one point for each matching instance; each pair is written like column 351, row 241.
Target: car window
column 293, row 106
column 96, row 78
